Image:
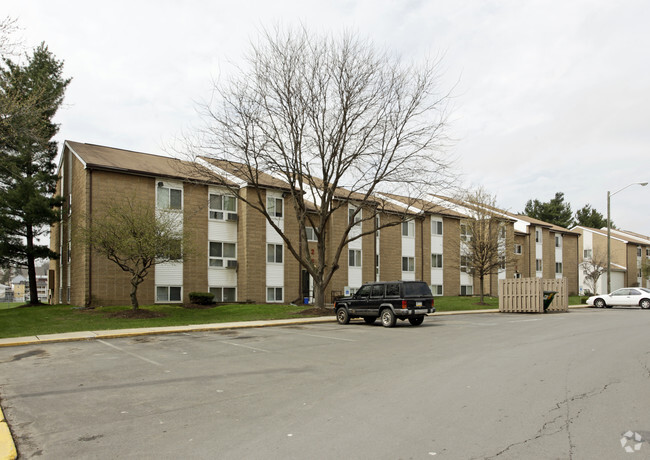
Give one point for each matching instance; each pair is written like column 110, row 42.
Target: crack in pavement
column 566, row 416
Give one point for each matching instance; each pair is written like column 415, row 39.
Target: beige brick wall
column 451, row 257
column 109, row 284
column 390, row 248
column 570, row 262
column 632, row 266
column 251, row 239
column 195, row 225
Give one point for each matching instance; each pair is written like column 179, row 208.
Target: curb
column 7, row 446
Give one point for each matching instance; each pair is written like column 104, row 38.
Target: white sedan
column 622, row 297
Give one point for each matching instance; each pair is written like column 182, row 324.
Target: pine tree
column 30, row 95
column 555, row 211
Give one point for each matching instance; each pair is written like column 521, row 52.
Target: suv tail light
column 403, row 304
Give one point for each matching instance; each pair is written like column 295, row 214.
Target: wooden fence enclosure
column 526, row 295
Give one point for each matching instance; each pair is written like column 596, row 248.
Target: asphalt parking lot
column 470, row 386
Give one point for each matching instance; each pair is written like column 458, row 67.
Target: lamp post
column 609, row 231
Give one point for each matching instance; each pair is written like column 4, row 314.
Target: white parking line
column 129, row 353
column 244, row 346
column 321, row 336
column 524, row 320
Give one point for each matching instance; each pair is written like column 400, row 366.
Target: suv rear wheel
column 387, row 317
column 342, row 315
column 416, row 320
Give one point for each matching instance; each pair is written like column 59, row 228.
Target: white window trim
column 358, row 258
column 275, row 292
column 268, row 252
column 224, row 212
column 409, row 259
column 222, row 288
column 224, row 259
column 276, row 199
column 168, row 287
column 168, row 188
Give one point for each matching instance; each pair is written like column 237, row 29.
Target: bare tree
column 593, row 268
column 336, row 121
column 136, row 237
column 483, row 237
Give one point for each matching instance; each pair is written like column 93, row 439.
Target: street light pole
column 609, row 231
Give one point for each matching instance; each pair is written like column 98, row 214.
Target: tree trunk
column 134, row 296
column 319, row 294
column 31, row 268
column 481, row 288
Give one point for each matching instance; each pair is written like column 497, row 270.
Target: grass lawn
column 445, row 303
column 4, row 305
column 52, row 319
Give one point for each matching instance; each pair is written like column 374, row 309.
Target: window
column 502, row 232
column 354, row 256
column 558, row 241
column 502, row 262
column 377, row 290
column 466, row 290
column 647, row 252
column 274, row 253
column 538, row 265
column 392, row 290
column 311, row 234
column 174, row 250
column 408, row 229
column 274, row 294
column 168, row 294
column 517, row 248
column 224, row 294
column 558, row 268
column 465, row 233
column 638, row 251
column 222, row 207
column 352, row 218
column 436, row 227
column 169, row 198
column 408, row 264
column 436, row 289
column 538, row 236
column 274, row 206
column 587, row 253
column 464, row 264
column 221, row 253
column 436, row 260
column 639, row 273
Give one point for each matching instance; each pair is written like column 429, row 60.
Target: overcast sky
column 548, row 95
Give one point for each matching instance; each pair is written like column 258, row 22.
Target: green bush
column 201, row 298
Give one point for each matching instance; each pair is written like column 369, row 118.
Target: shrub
column 201, row 298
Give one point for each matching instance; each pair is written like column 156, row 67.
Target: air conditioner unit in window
column 232, row 217
column 232, row 264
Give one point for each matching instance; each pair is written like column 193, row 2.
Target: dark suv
column 389, row 300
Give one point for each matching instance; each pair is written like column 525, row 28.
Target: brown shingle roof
column 128, row 161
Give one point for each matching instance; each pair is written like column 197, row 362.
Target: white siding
column 170, row 273
column 539, row 250
column 275, row 271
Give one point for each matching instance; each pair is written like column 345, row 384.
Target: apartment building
column 630, row 254
column 240, row 256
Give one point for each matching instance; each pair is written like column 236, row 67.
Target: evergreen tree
column 589, row 217
column 27, row 152
column 556, row 211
